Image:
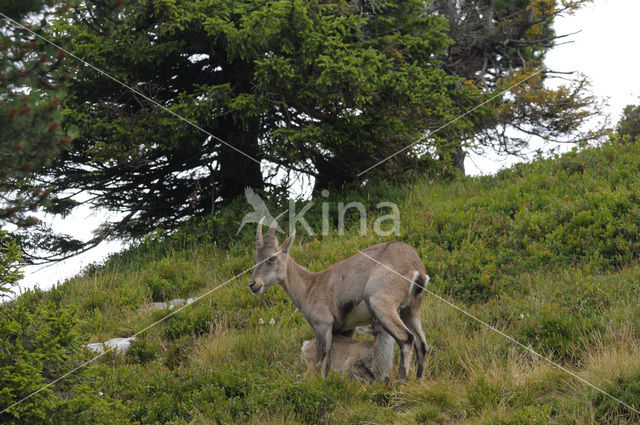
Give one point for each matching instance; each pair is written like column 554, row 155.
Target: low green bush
column 581, row 208
column 39, row 343
column 143, row 350
column 190, row 321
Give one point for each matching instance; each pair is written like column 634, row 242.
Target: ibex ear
column 287, row 243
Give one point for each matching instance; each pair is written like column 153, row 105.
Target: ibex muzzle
column 386, row 283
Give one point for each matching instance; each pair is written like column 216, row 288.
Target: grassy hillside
column 548, row 252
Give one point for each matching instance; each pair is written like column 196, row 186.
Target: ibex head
column 271, row 259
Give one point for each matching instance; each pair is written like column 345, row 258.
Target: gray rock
column 364, row 329
column 118, row 344
column 178, row 302
column 122, row 344
column 156, row 306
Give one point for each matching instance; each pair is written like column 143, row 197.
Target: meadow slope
column 547, row 252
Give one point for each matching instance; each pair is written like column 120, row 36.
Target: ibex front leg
column 324, row 337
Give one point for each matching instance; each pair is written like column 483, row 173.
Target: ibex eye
column 272, row 259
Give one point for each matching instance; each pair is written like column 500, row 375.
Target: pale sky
column 602, row 50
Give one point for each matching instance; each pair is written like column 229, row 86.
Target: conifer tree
column 316, row 88
column 32, row 88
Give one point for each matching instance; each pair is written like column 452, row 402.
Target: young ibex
column 367, row 361
column 350, row 293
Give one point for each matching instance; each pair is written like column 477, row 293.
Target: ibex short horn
column 259, row 239
column 273, row 227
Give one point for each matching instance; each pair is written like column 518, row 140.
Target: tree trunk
column 237, row 172
column 451, row 155
column 331, row 175
column 457, row 158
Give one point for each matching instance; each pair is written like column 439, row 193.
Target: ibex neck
column 383, row 341
column 299, row 280
column 383, row 355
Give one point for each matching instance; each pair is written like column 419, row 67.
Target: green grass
column 547, row 252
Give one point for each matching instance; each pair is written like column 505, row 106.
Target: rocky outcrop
column 121, row 345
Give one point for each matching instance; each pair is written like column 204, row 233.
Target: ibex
column 367, row 361
column 350, row 293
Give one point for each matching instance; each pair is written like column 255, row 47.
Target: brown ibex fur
column 367, row 361
column 350, row 293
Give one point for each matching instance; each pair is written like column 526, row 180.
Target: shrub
column 581, row 208
column 143, row 350
column 552, row 331
column 39, row 342
column 193, row 320
column 161, row 289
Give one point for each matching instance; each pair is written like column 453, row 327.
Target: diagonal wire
column 510, row 338
column 147, row 98
column 134, row 335
column 429, row 133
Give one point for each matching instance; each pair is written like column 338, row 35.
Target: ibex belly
column 359, row 315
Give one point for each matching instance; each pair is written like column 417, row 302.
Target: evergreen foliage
column 498, row 44
column 32, row 88
column 315, row 90
column 324, row 88
column 40, row 341
column 629, row 124
column 10, row 256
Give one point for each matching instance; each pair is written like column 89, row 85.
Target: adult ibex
column 384, row 281
column 367, row 361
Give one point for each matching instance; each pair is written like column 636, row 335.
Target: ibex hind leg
column 411, row 317
column 381, row 307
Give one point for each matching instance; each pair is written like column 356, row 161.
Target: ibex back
column 350, row 293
